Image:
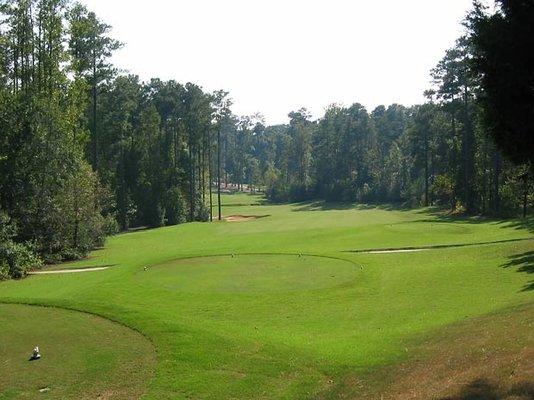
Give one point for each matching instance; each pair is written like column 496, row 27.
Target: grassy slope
column 240, row 328
column 84, row 356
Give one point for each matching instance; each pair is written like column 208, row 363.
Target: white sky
column 276, row 56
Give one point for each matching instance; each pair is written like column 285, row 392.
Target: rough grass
column 274, row 321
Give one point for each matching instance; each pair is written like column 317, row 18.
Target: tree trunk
column 525, row 194
column 191, row 180
column 485, row 176
column 95, row 136
column 496, row 176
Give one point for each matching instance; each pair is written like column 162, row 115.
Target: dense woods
column 86, row 152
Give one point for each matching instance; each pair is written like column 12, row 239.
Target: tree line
column 86, row 151
column 469, row 147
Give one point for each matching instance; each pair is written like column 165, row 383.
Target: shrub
column 278, row 192
column 110, row 225
column 19, row 258
column 4, row 270
column 442, row 190
column 175, row 207
column 203, row 212
column 16, row 259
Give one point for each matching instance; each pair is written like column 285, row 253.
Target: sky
column 277, row 56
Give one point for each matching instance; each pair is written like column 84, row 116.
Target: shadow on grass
column 481, row 389
column 321, row 205
column 438, row 214
column 521, row 224
column 437, row 246
column 524, row 263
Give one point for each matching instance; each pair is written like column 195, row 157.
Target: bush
column 4, row 270
column 110, row 225
column 175, row 207
column 442, row 190
column 19, row 259
column 203, row 212
column 16, row 259
column 278, row 192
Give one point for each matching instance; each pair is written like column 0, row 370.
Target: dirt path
column 68, row 271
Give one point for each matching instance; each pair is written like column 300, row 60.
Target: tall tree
column 503, row 58
column 91, row 48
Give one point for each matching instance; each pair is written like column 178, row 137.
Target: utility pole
column 219, row 169
column 209, row 174
column 426, row 167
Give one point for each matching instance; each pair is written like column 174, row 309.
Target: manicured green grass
column 83, row 356
column 238, row 199
column 293, row 311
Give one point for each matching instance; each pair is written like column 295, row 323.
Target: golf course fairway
column 291, row 305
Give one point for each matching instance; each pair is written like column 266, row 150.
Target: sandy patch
column 68, row 271
column 396, row 251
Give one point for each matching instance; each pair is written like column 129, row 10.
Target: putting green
column 83, row 356
column 250, row 273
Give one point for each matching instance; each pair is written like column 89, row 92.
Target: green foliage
column 442, row 190
column 16, row 259
column 502, row 59
column 278, row 191
column 46, row 186
column 175, row 207
column 110, row 225
column 436, row 153
column 148, row 145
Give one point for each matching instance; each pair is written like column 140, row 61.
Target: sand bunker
column 395, row 251
column 243, row 218
column 68, row 271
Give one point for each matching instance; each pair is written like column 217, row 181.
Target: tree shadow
column 524, row 263
column 481, row 389
column 321, row 205
column 439, row 214
column 445, row 215
column 526, row 224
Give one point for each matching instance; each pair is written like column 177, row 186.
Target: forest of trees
column 86, row 151
column 453, row 151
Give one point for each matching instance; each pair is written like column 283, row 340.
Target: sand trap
column 243, row 218
column 395, row 251
column 67, row 271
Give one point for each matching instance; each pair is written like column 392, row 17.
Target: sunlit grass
column 279, row 307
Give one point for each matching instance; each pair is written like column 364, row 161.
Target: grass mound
column 250, row 273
